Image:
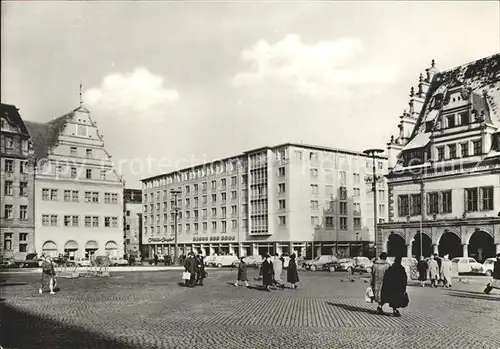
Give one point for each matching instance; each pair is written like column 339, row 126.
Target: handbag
column 405, row 300
column 186, row 275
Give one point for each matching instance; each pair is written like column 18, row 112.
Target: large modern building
column 287, row 198
column 132, row 221
column 79, row 195
column 16, row 185
column 444, row 176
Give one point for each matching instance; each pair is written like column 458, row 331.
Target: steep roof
column 481, row 77
column 44, row 135
column 11, row 113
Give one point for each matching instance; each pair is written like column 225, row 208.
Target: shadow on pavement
column 475, row 295
column 22, row 330
column 356, row 309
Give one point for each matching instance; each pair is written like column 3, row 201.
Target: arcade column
column 465, row 250
column 408, row 250
column 498, row 248
column 435, row 249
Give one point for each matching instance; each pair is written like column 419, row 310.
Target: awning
column 419, row 141
column 71, row 245
column 49, row 246
column 91, row 245
column 111, row 245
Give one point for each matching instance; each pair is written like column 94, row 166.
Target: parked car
column 467, row 265
column 251, row 261
column 83, row 262
column 9, row 263
column 317, row 263
column 222, row 261
column 488, row 266
column 362, row 265
column 31, row 261
column 340, row 265
column 115, row 261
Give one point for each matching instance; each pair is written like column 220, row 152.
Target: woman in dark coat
column 242, row 272
column 267, row 273
column 291, row 274
column 422, row 271
column 394, row 287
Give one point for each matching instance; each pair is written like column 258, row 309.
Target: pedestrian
column 155, row 259
column 48, row 275
column 242, row 273
column 292, row 275
column 495, row 282
column 379, row 268
column 439, row 262
column 200, row 269
column 446, row 271
column 394, row 287
column 278, row 269
column 190, row 267
column 422, row 268
column 433, row 271
column 267, row 273
column 168, row 260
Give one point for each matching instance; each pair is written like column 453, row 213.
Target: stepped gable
column 481, row 78
column 11, row 114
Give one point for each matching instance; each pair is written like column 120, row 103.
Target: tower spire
column 81, row 96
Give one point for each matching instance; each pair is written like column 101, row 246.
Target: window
column 104, row 174
column 81, row 130
column 73, row 172
column 54, row 194
column 195, row 188
column 223, row 183
column 233, row 180
column 451, row 121
column 314, row 205
column 433, row 203
column 234, row 209
column 343, row 178
column 281, row 220
column 487, row 198
column 281, row 204
column 356, row 178
column 95, row 221
column 23, row 212
column 114, row 199
column 313, row 172
column 223, row 197
column 343, row 193
column 343, row 223
column 214, row 211
column 403, row 205
column 477, row 145
column 214, row 197
column 233, row 195
column 88, row 221
column 416, row 204
column 464, row 149
column 72, row 151
column 23, row 236
column 23, row 167
column 75, row 221
column 314, row 221
column 8, row 188
column 45, row 220
column 7, row 212
column 67, row 195
column 313, row 156
column 45, row 194
column 314, row 189
column 74, row 196
column 464, row 118
column 452, row 149
column 281, row 171
column 224, row 226
column 381, row 210
column 329, row 221
column 214, row 226
column 357, row 223
column 9, row 166
column 356, row 208
column 88, row 153
column 88, row 173
column 223, row 211
column 343, row 207
column 380, row 165
column 234, row 224
column 67, row 221
column 471, row 199
column 53, row 220
column 446, row 201
column 23, row 188
column 204, row 186
column 7, row 241
column 114, row 223
column 440, row 153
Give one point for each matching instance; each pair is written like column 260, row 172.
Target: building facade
column 291, row 198
column 79, row 195
column 16, row 185
column 132, row 221
column 444, row 176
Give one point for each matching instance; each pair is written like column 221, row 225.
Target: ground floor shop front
column 476, row 238
column 306, row 249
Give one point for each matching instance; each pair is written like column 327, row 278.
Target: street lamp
column 373, row 154
column 175, row 193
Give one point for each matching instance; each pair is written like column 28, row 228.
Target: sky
column 175, row 84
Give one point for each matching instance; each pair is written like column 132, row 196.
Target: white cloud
column 138, row 94
column 320, row 70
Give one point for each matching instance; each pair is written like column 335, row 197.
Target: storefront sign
column 160, row 240
column 214, row 238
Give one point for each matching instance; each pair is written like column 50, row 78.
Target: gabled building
column 79, row 194
column 16, row 185
column 444, row 167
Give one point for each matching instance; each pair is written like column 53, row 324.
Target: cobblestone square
column 151, row 310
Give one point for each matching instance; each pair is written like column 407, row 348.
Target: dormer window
column 464, row 118
column 451, row 121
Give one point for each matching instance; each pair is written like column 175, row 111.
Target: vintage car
column 318, row 262
column 221, row 261
column 467, row 265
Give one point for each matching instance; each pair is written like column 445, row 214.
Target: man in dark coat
column 439, row 262
column 394, row 286
column 422, row 271
column 242, row 273
column 292, row 275
column 200, row 269
column 190, row 267
column 267, row 273
column 495, row 283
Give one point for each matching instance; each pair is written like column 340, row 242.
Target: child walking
column 242, row 273
column 48, row 275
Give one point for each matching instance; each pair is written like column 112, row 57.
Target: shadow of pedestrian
column 356, row 308
column 182, row 284
column 257, row 287
column 475, row 295
column 6, row 284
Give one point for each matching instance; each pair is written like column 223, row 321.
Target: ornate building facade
column 79, row 194
column 444, row 167
column 290, row 198
column 16, row 185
